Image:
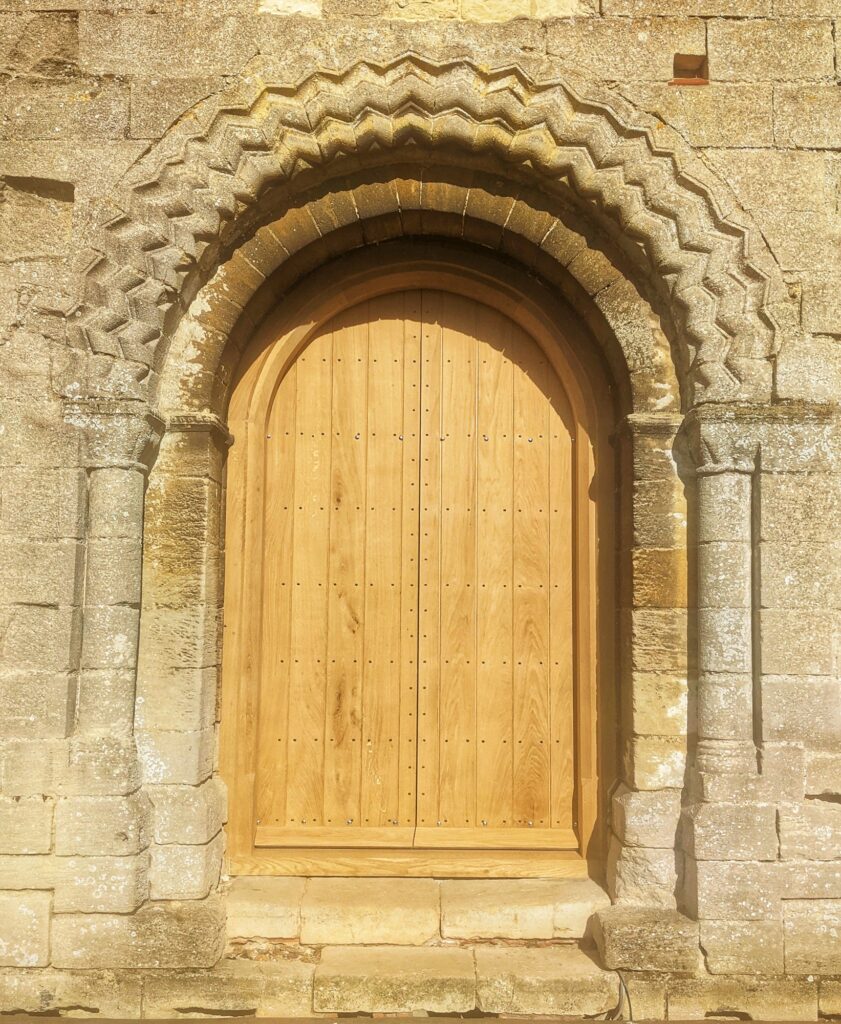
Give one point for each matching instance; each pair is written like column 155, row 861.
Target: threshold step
column 409, row 911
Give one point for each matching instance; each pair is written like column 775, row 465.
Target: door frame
column 274, row 347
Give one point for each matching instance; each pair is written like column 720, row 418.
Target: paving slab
column 370, row 911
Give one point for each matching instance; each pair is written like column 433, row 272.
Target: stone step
column 409, row 911
column 548, row 980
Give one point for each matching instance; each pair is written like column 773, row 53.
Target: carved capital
column 115, row 433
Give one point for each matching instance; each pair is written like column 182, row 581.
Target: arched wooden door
column 401, row 592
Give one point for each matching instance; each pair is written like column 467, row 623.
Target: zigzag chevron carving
column 724, row 286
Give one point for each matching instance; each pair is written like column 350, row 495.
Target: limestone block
column 78, row 109
column 555, row 981
column 659, row 703
column 718, row 115
column 830, row 999
column 186, row 934
column 795, row 642
column 100, row 885
column 634, row 49
column 633, row 938
column 811, row 831
column 264, row 908
column 171, row 758
column 811, row 880
column 40, row 573
column 188, row 814
column 724, row 501
column 659, row 577
column 279, row 988
column 46, row 207
column 725, row 705
column 656, row 762
column 724, row 568
column 64, row 993
column 699, row 8
column 116, row 502
column 743, row 947
column 759, row 50
column 109, row 639
column 36, row 704
column 34, row 434
column 738, row 832
column 659, row 510
column 821, row 302
column 647, row 819
column 800, row 575
column 31, row 767
column 156, row 104
column 180, row 699
column 724, row 639
column 26, row 824
column 389, row 979
column 823, row 773
column 110, row 579
column 38, row 44
column 658, row 639
column 809, row 369
column 185, row 872
column 105, row 700
column 172, row 47
column 100, row 765
column 735, row 891
column 102, row 825
column 43, row 503
column 807, row 116
column 24, row 929
column 518, row 909
column 27, row 871
column 640, row 876
column 184, row 637
column 804, row 709
column 394, row 911
column 812, row 929
column 758, row 999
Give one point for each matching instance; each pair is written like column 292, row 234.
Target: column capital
column 116, row 433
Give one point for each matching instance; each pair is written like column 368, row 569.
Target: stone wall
column 709, row 225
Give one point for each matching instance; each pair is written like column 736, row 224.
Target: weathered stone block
column 102, row 825
column 829, row 999
column 757, row 999
column 807, row 116
column 47, row 209
column 36, row 704
column 658, row 639
column 100, row 765
column 809, row 369
column 719, row 115
column 698, row 8
column 799, row 507
column 43, row 503
column 736, row 832
column 800, row 575
column 389, row 979
column 724, row 568
column 659, row 510
column 25, row 929
column 724, row 501
column 553, row 981
column 656, row 762
column 725, row 705
column 743, row 947
column 264, row 908
column 802, row 708
column 26, row 824
column 724, row 639
column 735, row 890
column 811, row 831
column 63, row 993
column 795, row 642
column 659, row 578
column 78, row 109
column 823, row 773
column 279, row 988
column 116, row 502
column 179, row 699
column 185, row 872
column 518, row 909
column 100, row 885
column 109, row 578
column 398, row 911
column 642, row 876
column 32, row 767
column 172, row 47
column 105, row 700
column 188, row 814
column 156, row 104
column 188, row 934
column 109, row 639
column 647, row 819
column 633, row 938
column 634, row 50
column 175, row 757
column 764, row 50
column 659, row 704
column 44, row 573
column 812, row 928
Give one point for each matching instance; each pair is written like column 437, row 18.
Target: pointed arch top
column 182, row 201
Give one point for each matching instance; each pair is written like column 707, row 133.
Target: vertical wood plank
column 346, row 603
column 308, row 642
column 494, row 504
column 277, row 604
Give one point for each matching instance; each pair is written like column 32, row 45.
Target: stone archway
column 199, row 201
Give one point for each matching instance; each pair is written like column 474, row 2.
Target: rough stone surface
column 521, row 909
column 555, row 981
column 650, row 940
column 268, row 908
column 399, row 911
column 24, row 929
column 429, row 978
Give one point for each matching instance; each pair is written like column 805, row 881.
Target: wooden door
column 404, row 537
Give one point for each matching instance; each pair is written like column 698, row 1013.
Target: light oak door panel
column 337, row 727
column 495, row 446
